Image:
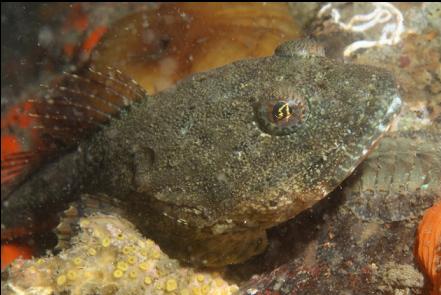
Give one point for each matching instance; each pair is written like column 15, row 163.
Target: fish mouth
column 379, row 131
column 384, row 125
column 395, row 105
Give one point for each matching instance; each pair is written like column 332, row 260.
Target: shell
column 161, row 46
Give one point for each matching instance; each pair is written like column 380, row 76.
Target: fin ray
column 74, row 106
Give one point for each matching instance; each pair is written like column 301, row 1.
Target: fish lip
column 391, row 114
column 383, row 128
column 395, row 105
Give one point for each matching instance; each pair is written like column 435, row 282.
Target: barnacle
column 127, row 250
column 117, row 266
column 133, row 274
column 122, row 265
column 144, row 266
column 171, row 285
column 61, row 280
column 205, row 288
column 118, row 273
column 77, row 261
column 148, row 280
column 200, row 278
column 131, row 259
column 283, row 112
column 155, row 254
column 144, row 252
column 428, row 246
column 72, row 275
column 105, row 242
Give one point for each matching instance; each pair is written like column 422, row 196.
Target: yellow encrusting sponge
column 109, row 256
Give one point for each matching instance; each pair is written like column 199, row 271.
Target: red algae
column 10, row 252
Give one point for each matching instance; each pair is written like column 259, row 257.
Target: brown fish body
column 205, row 169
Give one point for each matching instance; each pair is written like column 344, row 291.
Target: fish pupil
column 282, row 110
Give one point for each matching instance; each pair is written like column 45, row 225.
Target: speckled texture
column 356, row 245
column 346, row 248
column 108, row 256
column 191, row 162
column 398, row 181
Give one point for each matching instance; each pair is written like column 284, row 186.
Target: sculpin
column 207, row 166
column 399, row 180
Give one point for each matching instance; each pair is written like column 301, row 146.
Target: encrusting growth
column 108, row 256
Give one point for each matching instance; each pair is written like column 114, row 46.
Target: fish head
column 256, row 142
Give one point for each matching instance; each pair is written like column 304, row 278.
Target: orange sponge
column 428, row 246
column 12, row 251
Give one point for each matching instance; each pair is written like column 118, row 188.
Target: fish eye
column 282, row 114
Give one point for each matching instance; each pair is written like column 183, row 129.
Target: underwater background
column 363, row 238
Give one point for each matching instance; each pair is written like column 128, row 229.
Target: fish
column 399, row 180
column 386, row 210
column 178, row 39
column 206, row 166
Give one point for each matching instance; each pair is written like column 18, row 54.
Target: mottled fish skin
column 198, row 172
column 399, row 180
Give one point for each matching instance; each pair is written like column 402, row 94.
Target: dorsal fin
column 81, row 102
column 73, row 107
